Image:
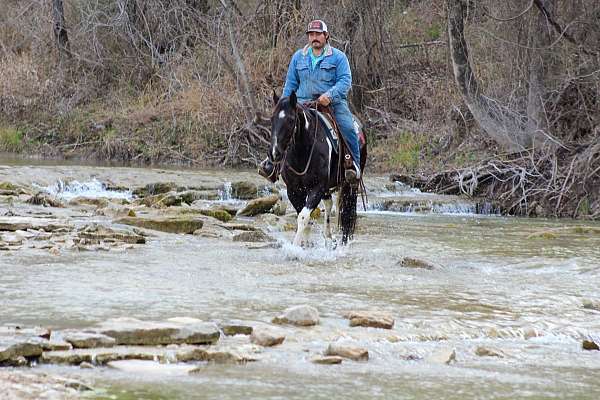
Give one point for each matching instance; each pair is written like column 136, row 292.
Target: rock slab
column 130, row 331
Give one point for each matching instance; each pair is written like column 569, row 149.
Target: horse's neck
column 305, row 130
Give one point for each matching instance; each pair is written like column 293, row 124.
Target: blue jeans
column 344, row 119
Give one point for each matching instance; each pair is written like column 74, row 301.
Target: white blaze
column 281, row 114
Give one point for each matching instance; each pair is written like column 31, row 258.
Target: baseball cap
column 317, row 26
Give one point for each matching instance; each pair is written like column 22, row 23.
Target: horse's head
column 283, row 124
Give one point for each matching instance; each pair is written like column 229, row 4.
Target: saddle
column 332, row 131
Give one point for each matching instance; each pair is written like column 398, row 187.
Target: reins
column 312, row 149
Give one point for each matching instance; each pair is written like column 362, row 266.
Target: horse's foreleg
column 303, row 229
column 327, row 227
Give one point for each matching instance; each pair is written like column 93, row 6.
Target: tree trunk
column 505, row 126
column 60, row 31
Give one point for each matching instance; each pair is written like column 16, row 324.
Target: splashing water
column 91, row 189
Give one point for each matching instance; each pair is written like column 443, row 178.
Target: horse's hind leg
column 327, row 224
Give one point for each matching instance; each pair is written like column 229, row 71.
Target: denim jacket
column 331, row 76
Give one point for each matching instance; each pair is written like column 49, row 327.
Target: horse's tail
column 346, row 206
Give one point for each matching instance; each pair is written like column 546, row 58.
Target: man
column 321, row 72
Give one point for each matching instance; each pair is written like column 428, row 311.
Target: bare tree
column 508, row 127
column 60, row 30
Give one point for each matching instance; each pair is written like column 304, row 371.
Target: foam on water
column 91, row 189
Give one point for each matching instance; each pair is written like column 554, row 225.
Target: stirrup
column 352, row 174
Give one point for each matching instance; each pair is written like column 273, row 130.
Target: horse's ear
column 275, row 97
column 293, row 99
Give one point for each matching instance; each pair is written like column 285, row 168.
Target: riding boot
column 351, row 170
column 267, row 169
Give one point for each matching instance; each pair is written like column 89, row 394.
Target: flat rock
column 102, row 355
column 266, row 337
column 371, row 319
column 87, row 340
column 244, row 190
column 231, row 328
column 164, row 224
column 95, row 232
column 130, row 331
column 11, row 348
column 218, row 354
column 327, row 360
column 25, row 223
column 258, row 206
column 351, row 352
column 150, row 367
column 442, row 356
column 155, row 188
column 190, row 196
column 302, row 315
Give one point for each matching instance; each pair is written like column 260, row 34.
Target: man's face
column 317, row 39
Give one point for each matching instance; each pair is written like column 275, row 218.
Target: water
column 493, row 285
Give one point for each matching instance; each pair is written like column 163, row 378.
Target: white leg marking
column 303, row 227
column 327, row 228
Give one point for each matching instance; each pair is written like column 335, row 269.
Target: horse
column 310, row 168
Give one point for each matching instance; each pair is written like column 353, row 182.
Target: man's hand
column 324, row 100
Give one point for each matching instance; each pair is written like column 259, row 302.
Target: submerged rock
column 150, row 367
column 327, row 360
column 258, row 206
column 591, row 305
column 482, row 351
column 442, row 356
column 266, row 337
column 351, row 352
column 408, row 262
column 252, row 236
column 298, row 315
column 371, row 319
column 130, row 331
column 164, row 224
column 89, row 201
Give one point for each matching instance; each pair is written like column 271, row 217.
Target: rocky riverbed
column 180, row 278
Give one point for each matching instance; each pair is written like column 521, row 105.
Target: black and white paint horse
column 310, row 168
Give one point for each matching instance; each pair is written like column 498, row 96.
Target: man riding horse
column 321, row 72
